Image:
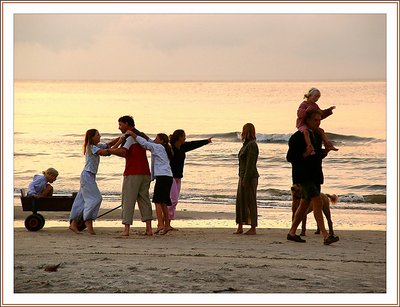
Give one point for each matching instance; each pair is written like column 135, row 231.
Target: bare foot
column 124, row 234
column 250, row 232
column 74, row 230
column 329, row 146
column 91, row 232
column 158, row 231
column 238, row 232
column 165, row 230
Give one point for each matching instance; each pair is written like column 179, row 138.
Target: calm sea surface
column 51, row 118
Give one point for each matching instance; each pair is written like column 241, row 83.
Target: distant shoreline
column 202, row 81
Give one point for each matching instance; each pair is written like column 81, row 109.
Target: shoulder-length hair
column 174, row 137
column 248, row 132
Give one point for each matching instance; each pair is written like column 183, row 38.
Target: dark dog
column 326, row 199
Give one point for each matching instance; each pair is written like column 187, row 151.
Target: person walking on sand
column 179, row 148
column 40, row 185
column 88, row 200
column 136, row 182
column 307, row 171
column 161, row 153
column 312, row 96
column 246, row 198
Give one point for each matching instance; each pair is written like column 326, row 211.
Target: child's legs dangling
column 310, row 147
column 327, row 142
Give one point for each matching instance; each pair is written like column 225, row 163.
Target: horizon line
column 200, row 80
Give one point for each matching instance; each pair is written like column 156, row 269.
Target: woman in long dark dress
column 246, row 200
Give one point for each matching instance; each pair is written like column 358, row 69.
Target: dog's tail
column 333, row 198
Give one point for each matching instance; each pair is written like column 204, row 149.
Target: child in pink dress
column 311, row 103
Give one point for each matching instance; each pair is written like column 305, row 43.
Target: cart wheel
column 42, row 221
column 33, row 222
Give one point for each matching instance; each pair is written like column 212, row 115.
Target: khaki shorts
column 136, row 188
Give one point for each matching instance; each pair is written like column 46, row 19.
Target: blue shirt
column 37, row 185
column 92, row 158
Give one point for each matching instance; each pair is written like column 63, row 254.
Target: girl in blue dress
column 87, row 202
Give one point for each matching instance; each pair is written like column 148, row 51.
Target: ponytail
column 164, row 138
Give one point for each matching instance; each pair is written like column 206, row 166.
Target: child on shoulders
column 311, row 103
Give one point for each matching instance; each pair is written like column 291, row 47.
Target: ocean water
column 51, row 118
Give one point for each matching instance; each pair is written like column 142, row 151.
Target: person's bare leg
column 310, row 147
column 239, row 230
column 149, row 230
column 327, row 142
column 167, row 226
column 317, row 205
column 74, row 226
column 160, row 218
column 89, row 225
column 47, row 192
column 251, row 231
column 299, row 215
column 303, row 225
column 125, row 232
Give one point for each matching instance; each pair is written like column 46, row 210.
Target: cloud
column 200, row 46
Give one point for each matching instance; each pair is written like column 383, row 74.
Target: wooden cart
column 36, row 221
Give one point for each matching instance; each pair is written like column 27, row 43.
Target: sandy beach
column 202, row 257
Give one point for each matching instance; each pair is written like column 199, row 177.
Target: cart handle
column 109, row 211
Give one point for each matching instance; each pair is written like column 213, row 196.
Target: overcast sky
column 200, row 46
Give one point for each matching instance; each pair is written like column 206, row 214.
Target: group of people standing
column 168, row 155
column 167, row 162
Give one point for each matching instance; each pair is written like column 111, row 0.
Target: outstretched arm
column 188, row 146
column 327, row 112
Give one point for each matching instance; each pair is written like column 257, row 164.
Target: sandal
column 295, row 238
column 331, row 239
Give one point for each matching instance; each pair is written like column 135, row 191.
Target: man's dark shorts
column 309, row 190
